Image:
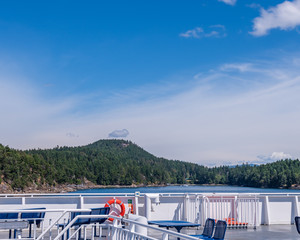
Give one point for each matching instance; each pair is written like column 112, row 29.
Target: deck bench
column 16, row 225
column 31, row 218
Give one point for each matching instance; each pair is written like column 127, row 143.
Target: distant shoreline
column 65, row 188
column 69, row 188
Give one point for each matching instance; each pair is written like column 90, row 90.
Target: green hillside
column 120, row 162
column 105, row 162
column 110, row 162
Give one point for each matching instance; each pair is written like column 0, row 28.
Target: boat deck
column 286, row 232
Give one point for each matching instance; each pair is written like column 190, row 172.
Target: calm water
column 189, row 189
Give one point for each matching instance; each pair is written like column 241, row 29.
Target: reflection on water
column 188, row 189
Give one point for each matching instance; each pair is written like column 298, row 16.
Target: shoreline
column 69, row 188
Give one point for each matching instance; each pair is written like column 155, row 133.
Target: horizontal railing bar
column 91, row 195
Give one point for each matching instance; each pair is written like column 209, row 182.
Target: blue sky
column 207, row 81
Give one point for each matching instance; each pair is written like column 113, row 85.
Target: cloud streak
column 242, row 67
column 284, row 16
column 229, row 2
column 214, row 31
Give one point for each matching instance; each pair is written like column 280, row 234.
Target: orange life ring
column 116, row 201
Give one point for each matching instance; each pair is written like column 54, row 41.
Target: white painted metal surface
column 253, row 209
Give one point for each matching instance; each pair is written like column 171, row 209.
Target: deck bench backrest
column 9, row 215
column 79, row 221
column 32, row 217
column 99, row 211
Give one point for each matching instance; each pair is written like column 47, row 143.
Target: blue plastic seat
column 208, row 229
column 297, row 222
column 220, row 230
column 219, row 233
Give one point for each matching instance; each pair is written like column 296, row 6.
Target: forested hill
column 105, row 162
column 110, row 162
column 120, row 162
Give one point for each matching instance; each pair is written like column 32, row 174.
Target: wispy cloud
column 214, row 31
column 285, row 16
column 72, row 135
column 242, row 67
column 229, row 2
column 194, row 33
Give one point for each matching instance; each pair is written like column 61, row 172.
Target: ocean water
column 189, row 189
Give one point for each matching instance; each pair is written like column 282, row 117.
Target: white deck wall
column 252, row 208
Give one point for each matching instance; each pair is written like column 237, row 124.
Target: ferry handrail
column 64, row 211
column 175, row 234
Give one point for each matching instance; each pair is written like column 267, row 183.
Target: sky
column 212, row 82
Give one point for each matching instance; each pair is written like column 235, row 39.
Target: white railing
column 239, row 211
column 254, row 208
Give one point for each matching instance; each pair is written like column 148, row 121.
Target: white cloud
column 275, row 156
column 230, row 2
column 215, row 31
column 285, row 16
column 119, row 133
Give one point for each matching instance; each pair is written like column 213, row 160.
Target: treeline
column 283, row 173
column 119, row 162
